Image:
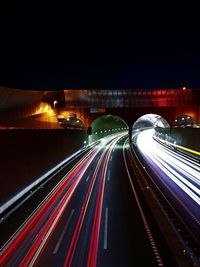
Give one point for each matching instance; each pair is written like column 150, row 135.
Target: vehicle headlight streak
column 41, row 213
column 181, row 172
column 187, row 171
column 31, row 239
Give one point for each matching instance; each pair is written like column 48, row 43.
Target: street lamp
column 54, row 103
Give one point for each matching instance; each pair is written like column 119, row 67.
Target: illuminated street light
column 184, row 88
column 54, row 103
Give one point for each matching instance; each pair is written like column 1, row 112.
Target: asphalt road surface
column 91, row 218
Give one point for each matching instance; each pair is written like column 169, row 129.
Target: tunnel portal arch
column 147, row 121
column 106, row 125
column 150, row 121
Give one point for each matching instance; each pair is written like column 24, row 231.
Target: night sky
column 46, row 46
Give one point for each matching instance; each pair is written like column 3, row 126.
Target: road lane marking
column 105, row 238
column 63, row 232
column 108, row 175
column 70, row 253
column 94, row 242
column 16, row 239
column 36, row 249
column 88, row 177
column 98, row 158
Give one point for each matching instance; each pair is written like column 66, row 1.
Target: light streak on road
column 184, row 174
column 15, row 198
column 28, row 243
column 63, row 232
column 93, row 249
column 142, row 214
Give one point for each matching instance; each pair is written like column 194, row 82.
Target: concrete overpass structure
column 130, row 104
column 37, row 150
column 89, row 104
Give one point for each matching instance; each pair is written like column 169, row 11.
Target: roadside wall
column 26, row 154
column 187, row 137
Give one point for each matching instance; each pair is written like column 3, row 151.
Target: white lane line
column 105, row 238
column 63, row 233
column 108, row 176
column 88, row 177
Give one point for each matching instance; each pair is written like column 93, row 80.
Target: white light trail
column 185, row 174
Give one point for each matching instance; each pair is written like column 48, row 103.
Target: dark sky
column 46, row 46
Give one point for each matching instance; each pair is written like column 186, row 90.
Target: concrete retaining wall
column 187, row 137
column 27, row 154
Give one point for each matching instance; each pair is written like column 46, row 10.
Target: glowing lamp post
column 54, row 103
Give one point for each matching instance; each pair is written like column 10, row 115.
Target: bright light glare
column 183, row 173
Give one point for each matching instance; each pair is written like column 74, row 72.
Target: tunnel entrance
column 150, row 121
column 106, row 125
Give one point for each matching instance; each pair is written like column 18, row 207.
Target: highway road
column 176, row 174
column 92, row 217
